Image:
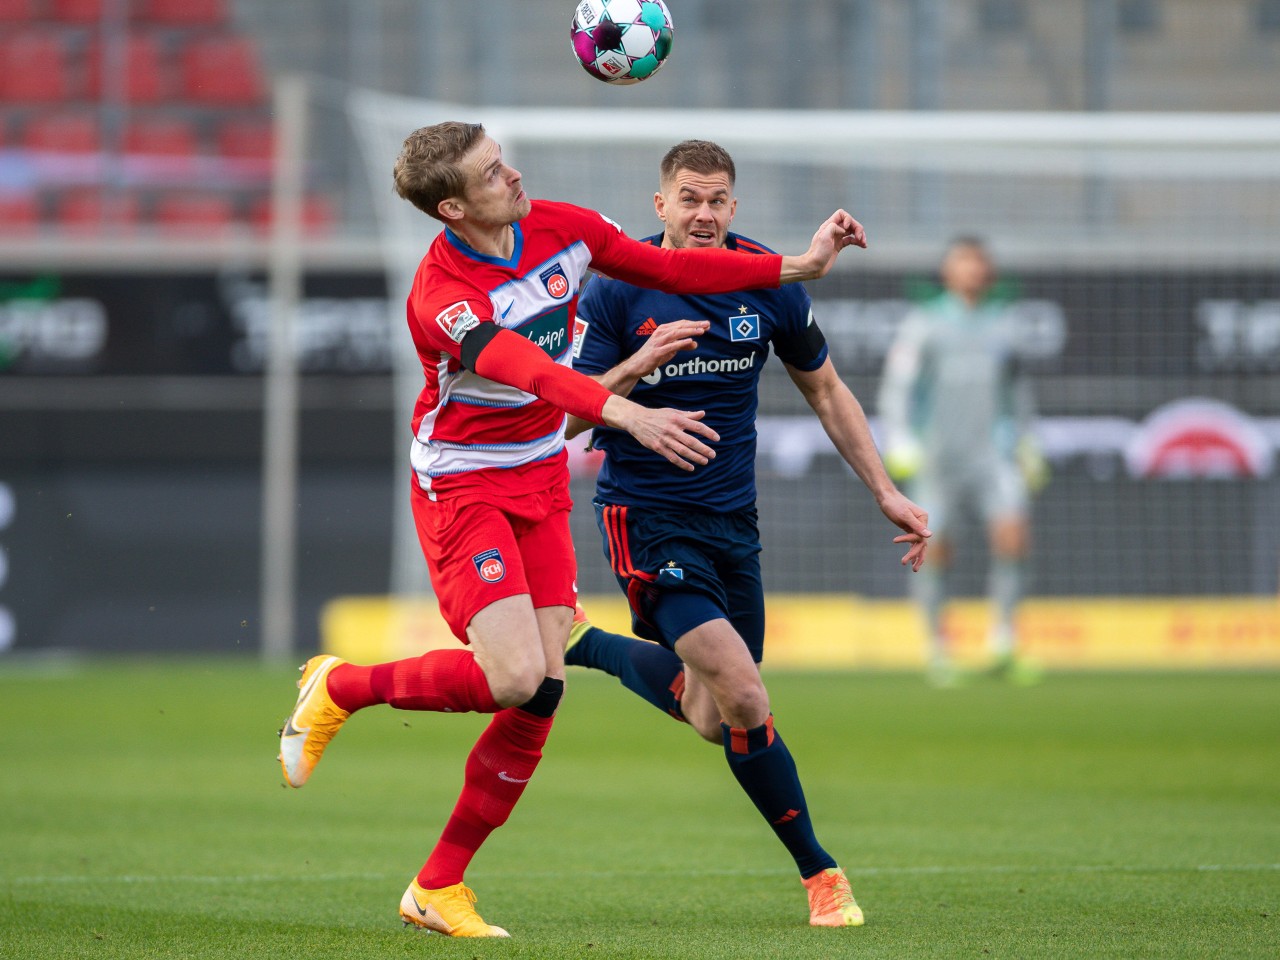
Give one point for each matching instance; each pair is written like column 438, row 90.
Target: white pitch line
column 863, row 871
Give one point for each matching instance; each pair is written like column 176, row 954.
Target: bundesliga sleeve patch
column 457, row 320
column 580, row 328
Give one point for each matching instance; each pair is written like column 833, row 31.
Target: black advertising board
column 1079, row 323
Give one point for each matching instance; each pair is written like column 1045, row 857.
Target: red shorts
column 480, row 551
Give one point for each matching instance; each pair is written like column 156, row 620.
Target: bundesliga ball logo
column 621, row 41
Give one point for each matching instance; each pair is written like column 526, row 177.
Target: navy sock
column 646, row 669
column 765, row 769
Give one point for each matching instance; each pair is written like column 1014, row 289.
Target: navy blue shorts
column 681, row 570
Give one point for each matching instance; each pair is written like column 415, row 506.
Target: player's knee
column 745, row 704
column 709, row 730
column 511, row 688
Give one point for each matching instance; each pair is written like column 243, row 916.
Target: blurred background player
column 492, row 314
column 958, row 411
column 685, row 548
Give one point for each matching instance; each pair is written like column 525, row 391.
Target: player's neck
column 492, row 241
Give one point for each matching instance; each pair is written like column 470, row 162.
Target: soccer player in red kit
column 492, row 313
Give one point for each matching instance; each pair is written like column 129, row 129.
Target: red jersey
column 473, row 434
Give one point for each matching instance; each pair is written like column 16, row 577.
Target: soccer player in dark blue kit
column 685, row 547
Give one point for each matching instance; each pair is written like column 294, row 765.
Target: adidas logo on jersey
column 646, row 328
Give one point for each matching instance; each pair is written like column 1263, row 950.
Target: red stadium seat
column 17, row 11
column 97, row 211
column 63, row 133
column 35, row 68
column 19, row 213
column 162, row 136
column 194, row 213
column 146, row 70
column 186, row 13
column 246, row 139
column 223, row 70
column 318, row 215
column 77, row 11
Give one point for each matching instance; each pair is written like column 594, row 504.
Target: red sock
column 448, row 681
column 500, row 764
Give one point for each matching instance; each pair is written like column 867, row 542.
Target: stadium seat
column 318, row 215
column 97, row 211
column 194, row 213
column 164, row 136
column 19, row 213
column 186, row 13
column 222, row 70
column 246, row 139
column 76, row 11
column 17, row 11
column 146, row 70
column 35, row 68
column 63, row 133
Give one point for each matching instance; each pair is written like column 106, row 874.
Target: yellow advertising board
column 840, row 631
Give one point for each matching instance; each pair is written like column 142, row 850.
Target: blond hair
column 427, row 170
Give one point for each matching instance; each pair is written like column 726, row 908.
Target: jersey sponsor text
column 698, row 366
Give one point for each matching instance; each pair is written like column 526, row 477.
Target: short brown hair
column 427, row 171
column 698, row 156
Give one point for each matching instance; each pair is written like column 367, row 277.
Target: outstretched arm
column 691, row 270
column 663, row 344
column 845, row 422
column 838, row 231
column 506, row 357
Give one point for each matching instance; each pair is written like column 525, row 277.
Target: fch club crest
column 554, row 279
column 490, row 566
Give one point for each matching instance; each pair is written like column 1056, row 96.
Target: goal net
column 1140, row 254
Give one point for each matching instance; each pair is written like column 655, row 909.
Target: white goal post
column 794, row 163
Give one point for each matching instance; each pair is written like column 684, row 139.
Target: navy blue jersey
column 720, row 376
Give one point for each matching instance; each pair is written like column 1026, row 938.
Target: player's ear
column 450, row 209
column 733, row 207
column 660, row 206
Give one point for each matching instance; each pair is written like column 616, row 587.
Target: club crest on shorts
column 490, row 566
column 672, row 570
column 555, row 281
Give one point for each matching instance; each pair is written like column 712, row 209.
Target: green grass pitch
column 1128, row 816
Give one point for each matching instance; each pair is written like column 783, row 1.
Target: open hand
column 665, row 342
column 915, row 522
column 838, row 231
column 677, row 435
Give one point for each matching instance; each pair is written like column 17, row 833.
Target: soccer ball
column 621, row 41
